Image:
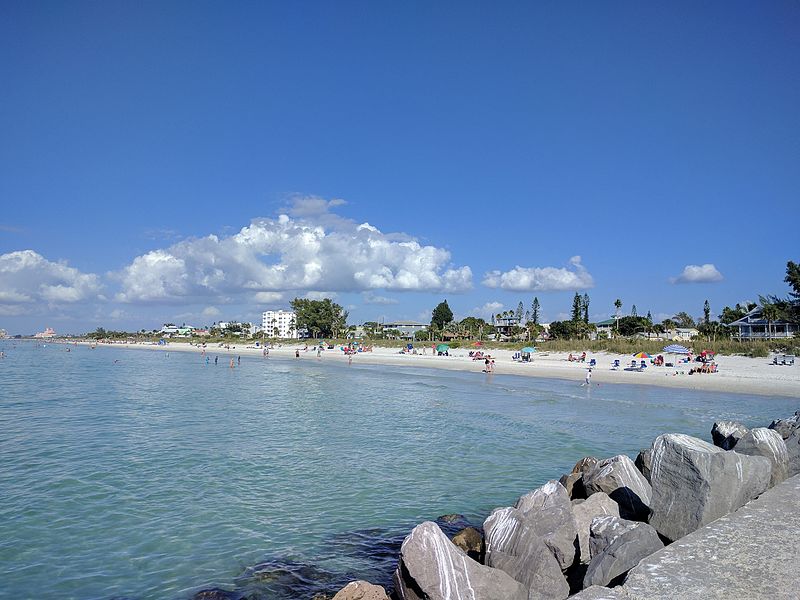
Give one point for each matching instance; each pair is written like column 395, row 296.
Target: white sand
column 735, row 374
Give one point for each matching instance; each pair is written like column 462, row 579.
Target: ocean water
column 148, row 474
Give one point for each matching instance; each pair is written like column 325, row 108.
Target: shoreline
column 736, row 374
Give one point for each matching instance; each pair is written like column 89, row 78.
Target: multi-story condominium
column 279, row 323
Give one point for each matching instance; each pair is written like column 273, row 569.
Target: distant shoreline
column 737, row 374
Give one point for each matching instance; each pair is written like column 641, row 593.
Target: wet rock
column 515, row 546
column 617, row 545
column 621, row 480
column 288, row 579
column 695, row 483
column 584, row 511
column 769, row 444
column 785, row 427
column 432, row 568
column 215, row 594
column 451, row 518
column 470, row 540
column 361, row 590
column 726, row 434
column 643, row 462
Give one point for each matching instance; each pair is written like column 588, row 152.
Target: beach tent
column 442, row 348
column 528, row 349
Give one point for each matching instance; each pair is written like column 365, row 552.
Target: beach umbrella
column 641, row 355
column 478, row 344
column 442, row 348
column 528, row 349
column 676, row 349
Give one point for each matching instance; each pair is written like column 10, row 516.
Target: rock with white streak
column 695, row 482
column 514, row 545
column 432, row 568
column 550, row 494
column 768, row 443
column 785, row 427
column 617, row 545
column 726, row 434
column 584, row 511
column 599, row 592
column 361, row 590
column 621, row 480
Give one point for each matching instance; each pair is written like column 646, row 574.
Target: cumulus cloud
column 487, row 310
column 542, row 279
column 211, row 311
column 311, row 250
column 706, row 273
column 27, row 279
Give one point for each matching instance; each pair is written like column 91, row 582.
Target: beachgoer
column 231, row 364
column 319, row 351
column 216, row 358
column 239, row 360
column 207, row 359
column 487, row 365
column 583, row 357
column 588, row 377
column 569, row 358
column 297, row 353
column 349, row 359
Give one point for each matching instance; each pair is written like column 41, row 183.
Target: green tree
column 577, row 308
column 682, row 319
column 793, row 279
column 771, row 313
column 586, row 308
column 520, row 311
column 631, row 325
column 729, row 315
column 617, row 308
column 441, row 316
column 562, row 330
column 323, row 318
column 706, row 312
column 633, row 311
column 535, row 310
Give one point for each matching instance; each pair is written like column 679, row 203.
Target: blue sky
column 486, row 146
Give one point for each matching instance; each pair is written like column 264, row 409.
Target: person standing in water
column 239, row 360
column 216, row 358
column 232, row 364
column 588, row 380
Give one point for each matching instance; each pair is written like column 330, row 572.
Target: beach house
column 753, row 326
column 406, row 329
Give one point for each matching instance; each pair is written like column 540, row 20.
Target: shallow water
column 159, row 475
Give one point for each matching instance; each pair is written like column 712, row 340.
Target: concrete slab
column 753, row 553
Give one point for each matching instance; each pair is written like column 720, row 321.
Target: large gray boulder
column 361, row 590
column 550, row 494
column 549, row 512
column 621, row 480
column 793, row 452
column 768, row 443
column 785, row 427
column 643, row 462
column 599, row 592
column 584, row 511
column 617, row 545
column 726, row 434
column 432, row 568
column 514, row 545
column 695, row 482
column 573, row 481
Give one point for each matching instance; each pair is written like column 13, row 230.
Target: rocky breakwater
column 588, row 530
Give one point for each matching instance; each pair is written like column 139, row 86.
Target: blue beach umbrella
column 528, row 349
column 676, row 349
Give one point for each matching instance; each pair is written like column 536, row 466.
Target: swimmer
column 216, row 358
column 239, row 360
column 232, row 364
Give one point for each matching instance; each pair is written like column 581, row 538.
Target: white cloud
column 706, row 273
column 313, row 250
column 28, row 279
column 211, row 311
column 542, row 279
column 487, row 310
column 267, row 297
column 370, row 298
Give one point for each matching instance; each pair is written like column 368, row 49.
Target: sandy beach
column 736, row 374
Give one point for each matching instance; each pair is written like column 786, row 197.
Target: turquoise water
column 158, row 476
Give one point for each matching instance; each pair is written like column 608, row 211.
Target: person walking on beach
column 588, row 380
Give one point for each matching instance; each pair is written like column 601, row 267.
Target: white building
column 279, row 323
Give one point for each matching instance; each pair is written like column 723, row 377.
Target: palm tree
column 771, row 313
column 617, row 308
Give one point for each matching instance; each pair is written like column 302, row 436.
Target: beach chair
column 778, row 359
column 593, row 363
column 788, row 360
column 615, row 364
